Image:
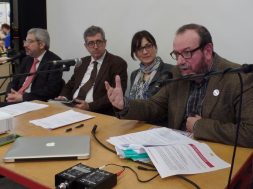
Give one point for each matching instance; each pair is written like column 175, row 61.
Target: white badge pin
column 216, row 92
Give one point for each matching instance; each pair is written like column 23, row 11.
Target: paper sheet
column 61, row 119
column 184, row 159
column 157, row 136
column 21, row 108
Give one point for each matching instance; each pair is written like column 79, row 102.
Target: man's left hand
column 14, row 96
column 191, row 121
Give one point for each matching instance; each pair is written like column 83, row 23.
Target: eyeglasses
column 91, row 44
column 28, row 42
column 147, row 47
column 185, row 54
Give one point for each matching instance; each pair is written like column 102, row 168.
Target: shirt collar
column 41, row 56
column 100, row 61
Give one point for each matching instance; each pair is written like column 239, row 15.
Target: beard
column 200, row 68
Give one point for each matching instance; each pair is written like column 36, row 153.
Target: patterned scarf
column 140, row 86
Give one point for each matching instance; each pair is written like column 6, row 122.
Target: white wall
column 229, row 21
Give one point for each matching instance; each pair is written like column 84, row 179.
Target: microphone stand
column 66, row 68
column 237, row 132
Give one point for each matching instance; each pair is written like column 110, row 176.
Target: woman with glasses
column 144, row 80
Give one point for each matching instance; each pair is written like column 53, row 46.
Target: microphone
column 70, row 62
column 164, row 77
column 20, row 54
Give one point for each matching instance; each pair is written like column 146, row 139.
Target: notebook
column 53, row 147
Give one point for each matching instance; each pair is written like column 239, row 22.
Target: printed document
column 184, row 159
column 152, row 137
column 21, row 108
column 61, row 119
column 171, row 153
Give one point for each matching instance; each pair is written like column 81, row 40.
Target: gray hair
column 41, row 35
column 93, row 30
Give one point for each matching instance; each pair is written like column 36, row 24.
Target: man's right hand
column 61, row 98
column 115, row 95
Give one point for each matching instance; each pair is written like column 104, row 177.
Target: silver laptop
column 53, row 147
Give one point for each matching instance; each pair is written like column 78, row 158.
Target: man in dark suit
column 42, row 86
column 206, row 107
column 86, row 85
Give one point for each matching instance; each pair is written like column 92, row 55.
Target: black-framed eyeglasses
column 147, row 47
column 92, row 44
column 185, row 54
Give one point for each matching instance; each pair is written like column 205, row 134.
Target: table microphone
column 69, row 62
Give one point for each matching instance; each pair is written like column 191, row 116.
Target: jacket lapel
column 102, row 70
column 81, row 71
column 213, row 91
column 41, row 64
column 181, row 102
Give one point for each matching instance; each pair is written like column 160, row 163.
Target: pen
column 69, row 129
column 79, row 126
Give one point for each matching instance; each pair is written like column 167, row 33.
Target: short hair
column 6, row 26
column 93, row 30
column 41, row 35
column 137, row 38
column 204, row 34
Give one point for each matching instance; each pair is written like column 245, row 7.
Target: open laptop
column 52, row 147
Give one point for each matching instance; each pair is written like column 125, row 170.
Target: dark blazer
column 163, row 73
column 45, row 86
column 219, row 112
column 112, row 65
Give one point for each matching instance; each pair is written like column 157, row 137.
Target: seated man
column 207, row 107
column 86, row 85
column 42, row 86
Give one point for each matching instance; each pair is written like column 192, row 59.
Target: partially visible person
column 206, row 107
column 2, row 47
column 144, row 80
column 2, row 36
column 42, row 86
column 86, row 85
column 7, row 32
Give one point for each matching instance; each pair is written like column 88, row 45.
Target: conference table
column 41, row 174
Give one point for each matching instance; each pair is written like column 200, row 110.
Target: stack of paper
column 6, row 122
column 134, row 152
column 171, row 152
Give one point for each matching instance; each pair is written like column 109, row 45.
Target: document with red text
column 180, row 159
column 171, row 152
